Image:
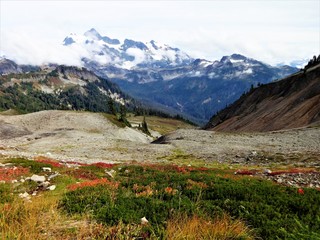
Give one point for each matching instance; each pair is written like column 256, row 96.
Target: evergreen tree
column 144, row 126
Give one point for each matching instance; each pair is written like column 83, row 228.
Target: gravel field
column 91, row 137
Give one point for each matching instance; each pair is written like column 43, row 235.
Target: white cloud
column 24, row 49
column 272, row 31
column 138, row 54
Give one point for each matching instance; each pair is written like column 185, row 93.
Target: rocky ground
column 298, row 147
column 91, row 137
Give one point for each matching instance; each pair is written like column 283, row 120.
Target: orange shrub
column 92, row 183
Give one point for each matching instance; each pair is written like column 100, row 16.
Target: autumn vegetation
column 107, row 201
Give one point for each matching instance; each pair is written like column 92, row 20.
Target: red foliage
column 245, row 172
column 103, row 165
column 11, row 173
column 51, row 162
column 170, row 191
column 82, row 174
column 92, row 183
column 181, row 169
column 77, row 163
column 300, row 191
column 98, row 164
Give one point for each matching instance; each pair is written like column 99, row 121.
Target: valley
column 110, row 151
column 92, row 137
column 90, row 176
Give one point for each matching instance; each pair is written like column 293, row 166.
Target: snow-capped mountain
column 168, row 77
column 128, row 54
column 202, row 87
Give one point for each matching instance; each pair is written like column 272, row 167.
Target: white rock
column 46, row 169
column 37, row 178
column 279, row 180
column 144, row 221
column 52, row 187
column 44, row 184
column 34, row 193
column 111, row 173
column 25, row 195
column 53, row 176
column 254, row 153
column 267, row 171
column 14, row 181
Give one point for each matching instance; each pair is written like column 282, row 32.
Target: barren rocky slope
column 290, row 103
column 78, row 136
column 91, row 137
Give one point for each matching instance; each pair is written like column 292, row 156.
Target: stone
column 144, row 221
column 267, row 171
column 37, row 178
column 46, row 169
column 254, row 153
column 44, row 184
column 25, row 196
column 52, row 187
column 53, row 176
column 111, row 173
column 279, row 180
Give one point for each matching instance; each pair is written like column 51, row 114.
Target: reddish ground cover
column 12, row 173
column 102, row 181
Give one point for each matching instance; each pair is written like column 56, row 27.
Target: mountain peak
column 93, row 33
column 68, row 41
column 236, row 56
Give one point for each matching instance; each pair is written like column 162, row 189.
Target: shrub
column 162, row 194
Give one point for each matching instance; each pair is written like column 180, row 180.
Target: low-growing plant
column 34, row 166
column 163, row 193
column 5, row 190
column 219, row 228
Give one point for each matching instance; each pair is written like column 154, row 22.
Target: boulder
column 37, row 178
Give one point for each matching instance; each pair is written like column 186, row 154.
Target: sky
column 273, row 31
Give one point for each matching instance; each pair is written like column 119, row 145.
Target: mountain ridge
column 292, row 102
column 167, row 77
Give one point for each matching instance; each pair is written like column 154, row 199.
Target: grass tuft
column 219, row 228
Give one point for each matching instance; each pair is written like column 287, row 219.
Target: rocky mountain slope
column 69, row 135
column 170, row 79
column 60, row 87
column 290, row 103
column 7, row 66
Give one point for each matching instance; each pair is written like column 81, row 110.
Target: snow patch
column 207, row 100
column 236, row 60
column 116, row 97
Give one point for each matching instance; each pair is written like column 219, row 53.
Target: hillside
column 292, row 102
column 62, row 88
column 73, row 135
